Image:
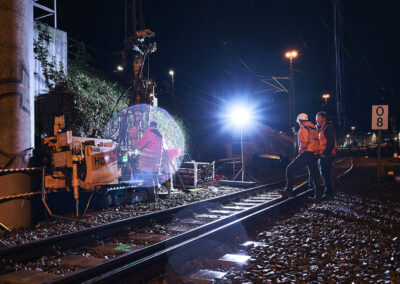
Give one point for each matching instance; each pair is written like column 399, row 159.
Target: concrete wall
column 59, row 49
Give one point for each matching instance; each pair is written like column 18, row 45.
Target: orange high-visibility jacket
column 307, row 138
column 327, row 140
column 151, row 150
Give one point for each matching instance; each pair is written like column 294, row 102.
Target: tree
column 86, row 100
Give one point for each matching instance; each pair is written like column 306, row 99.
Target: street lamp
column 240, row 116
column 326, row 97
column 353, row 128
column 291, row 55
column 172, row 74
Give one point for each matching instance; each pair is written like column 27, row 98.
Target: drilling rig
column 93, row 164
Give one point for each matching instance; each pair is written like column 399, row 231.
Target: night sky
column 219, row 50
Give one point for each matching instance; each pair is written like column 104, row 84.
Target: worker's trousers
column 325, row 166
column 305, row 159
column 150, row 180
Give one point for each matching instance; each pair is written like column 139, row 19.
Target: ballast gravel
column 51, row 228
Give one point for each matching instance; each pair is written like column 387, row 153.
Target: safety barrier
column 20, row 170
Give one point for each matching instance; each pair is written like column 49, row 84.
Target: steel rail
column 348, row 170
column 44, row 247
column 163, row 246
column 141, row 267
column 35, row 249
column 140, row 263
column 49, row 246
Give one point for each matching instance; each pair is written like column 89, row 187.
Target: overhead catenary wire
column 329, row 29
column 197, row 97
column 360, row 51
column 293, row 24
column 227, row 72
column 192, row 87
column 306, row 73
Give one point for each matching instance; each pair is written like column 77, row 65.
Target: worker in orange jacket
column 308, row 143
column 328, row 146
column 151, row 146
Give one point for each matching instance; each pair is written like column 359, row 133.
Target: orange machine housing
column 94, row 160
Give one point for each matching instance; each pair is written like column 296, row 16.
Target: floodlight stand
column 243, row 169
column 241, row 146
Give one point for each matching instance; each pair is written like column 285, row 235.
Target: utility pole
column 292, row 108
column 172, row 74
column 337, row 29
column 291, row 95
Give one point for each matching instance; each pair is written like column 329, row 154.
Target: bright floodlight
column 240, row 115
column 171, row 73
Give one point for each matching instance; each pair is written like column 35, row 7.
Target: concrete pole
column 16, row 112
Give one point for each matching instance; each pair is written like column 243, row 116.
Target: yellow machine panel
column 79, row 162
column 54, row 183
column 62, row 159
column 101, row 165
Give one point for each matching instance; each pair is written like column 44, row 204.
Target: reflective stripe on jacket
column 307, row 138
column 327, row 140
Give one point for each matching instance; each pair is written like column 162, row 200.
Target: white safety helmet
column 302, row 116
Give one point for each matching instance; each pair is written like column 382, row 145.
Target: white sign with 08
column 380, row 114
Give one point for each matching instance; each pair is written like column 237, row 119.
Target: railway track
column 124, row 248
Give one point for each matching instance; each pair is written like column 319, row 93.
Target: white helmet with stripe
column 302, row 116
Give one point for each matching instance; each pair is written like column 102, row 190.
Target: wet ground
column 53, row 227
column 354, row 237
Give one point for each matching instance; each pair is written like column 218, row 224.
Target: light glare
column 291, row 54
column 240, row 116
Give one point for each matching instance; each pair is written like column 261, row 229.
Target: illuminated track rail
column 143, row 269
column 145, row 255
column 35, row 249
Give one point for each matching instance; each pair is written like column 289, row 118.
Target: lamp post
column 353, row 128
column 291, row 55
column 172, row 74
column 240, row 116
column 326, row 97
